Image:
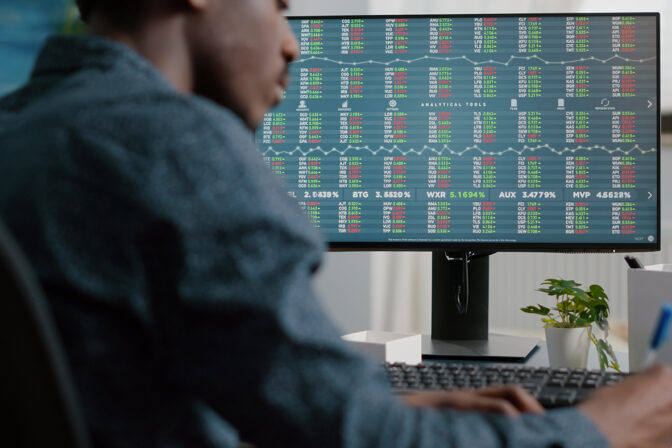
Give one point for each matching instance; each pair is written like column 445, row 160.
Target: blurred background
column 391, row 290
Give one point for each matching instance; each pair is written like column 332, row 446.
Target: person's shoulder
column 152, row 121
column 194, row 130
column 192, row 117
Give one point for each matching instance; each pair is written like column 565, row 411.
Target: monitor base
column 495, row 348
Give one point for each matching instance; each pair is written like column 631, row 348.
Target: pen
column 633, row 262
column 660, row 334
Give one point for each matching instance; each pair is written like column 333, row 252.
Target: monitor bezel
column 485, row 246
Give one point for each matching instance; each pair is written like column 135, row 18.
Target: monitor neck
column 460, row 311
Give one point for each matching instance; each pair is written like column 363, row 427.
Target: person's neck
column 161, row 42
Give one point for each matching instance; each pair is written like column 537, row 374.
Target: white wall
column 328, row 7
column 470, row 7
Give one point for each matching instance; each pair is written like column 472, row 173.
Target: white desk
column 539, row 358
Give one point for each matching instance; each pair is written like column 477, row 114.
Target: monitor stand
column 463, row 333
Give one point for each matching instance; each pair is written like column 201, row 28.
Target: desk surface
column 539, row 358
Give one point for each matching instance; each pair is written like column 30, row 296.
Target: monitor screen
column 532, row 132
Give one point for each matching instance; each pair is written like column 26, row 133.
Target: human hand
column 509, row 400
column 636, row 412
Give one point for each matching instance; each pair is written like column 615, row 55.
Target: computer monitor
column 467, row 135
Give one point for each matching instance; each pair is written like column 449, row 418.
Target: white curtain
column 401, row 291
column 472, row 6
column 401, row 281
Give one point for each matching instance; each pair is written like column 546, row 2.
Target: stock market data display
column 533, row 129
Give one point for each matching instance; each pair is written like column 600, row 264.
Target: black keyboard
column 552, row 387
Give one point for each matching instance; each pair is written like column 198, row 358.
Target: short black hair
column 118, row 12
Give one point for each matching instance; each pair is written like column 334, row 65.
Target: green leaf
column 598, row 297
column 560, row 283
column 576, row 307
column 601, row 313
column 608, row 350
column 551, row 291
column 602, row 356
column 587, row 314
column 603, row 324
column 580, row 296
column 597, row 292
column 542, row 310
column 551, row 322
column 605, row 352
column 580, row 322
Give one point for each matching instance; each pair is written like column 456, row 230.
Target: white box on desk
column 388, row 347
column 648, row 288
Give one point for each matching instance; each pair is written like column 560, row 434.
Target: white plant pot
column 567, row 347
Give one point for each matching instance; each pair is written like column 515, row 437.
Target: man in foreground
column 179, row 271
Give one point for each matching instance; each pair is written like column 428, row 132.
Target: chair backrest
column 36, row 391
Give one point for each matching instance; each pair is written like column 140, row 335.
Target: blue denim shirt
column 179, row 273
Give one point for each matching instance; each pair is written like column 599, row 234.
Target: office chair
column 36, row 392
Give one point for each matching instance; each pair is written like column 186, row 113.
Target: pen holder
column 648, row 288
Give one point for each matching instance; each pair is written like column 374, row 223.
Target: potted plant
column 570, row 324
